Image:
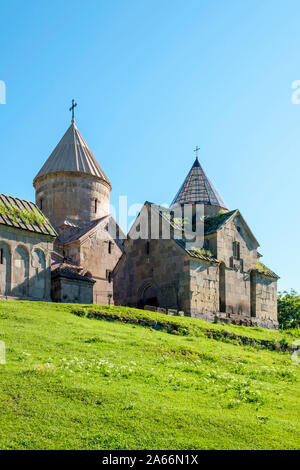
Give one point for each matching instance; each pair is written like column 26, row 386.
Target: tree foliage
column 289, row 309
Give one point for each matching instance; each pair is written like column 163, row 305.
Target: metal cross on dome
column 72, row 109
column 197, row 150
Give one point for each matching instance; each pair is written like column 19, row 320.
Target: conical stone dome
column 72, row 154
column 71, row 184
column 198, row 189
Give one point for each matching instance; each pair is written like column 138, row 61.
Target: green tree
column 288, row 309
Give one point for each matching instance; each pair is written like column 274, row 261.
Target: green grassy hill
column 128, row 379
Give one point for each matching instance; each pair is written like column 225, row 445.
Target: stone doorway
column 148, row 296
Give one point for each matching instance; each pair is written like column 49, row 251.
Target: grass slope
column 72, row 382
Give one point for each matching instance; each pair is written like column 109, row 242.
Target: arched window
column 236, row 250
column 5, row 268
column 109, row 247
column 38, row 274
column 222, row 288
column 108, row 276
column 21, row 272
column 96, row 206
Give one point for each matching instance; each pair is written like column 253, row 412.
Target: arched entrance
column 222, row 288
column 148, row 295
column 5, row 269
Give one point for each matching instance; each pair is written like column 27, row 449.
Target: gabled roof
column 108, row 220
column 72, row 154
column 69, row 274
column 213, row 224
column 164, row 213
column 15, row 212
column 197, row 188
column 83, row 232
column 67, row 222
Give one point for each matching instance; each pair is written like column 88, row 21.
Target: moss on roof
column 262, row 269
column 202, row 251
column 213, row 224
column 24, row 215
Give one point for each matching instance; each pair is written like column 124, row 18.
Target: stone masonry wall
column 204, row 285
column 237, row 293
column 266, row 300
column 72, row 291
column 64, row 194
column 161, row 274
column 97, row 254
column 25, row 268
column 96, row 259
column 237, row 271
column 234, row 231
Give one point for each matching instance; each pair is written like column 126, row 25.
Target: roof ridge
column 19, row 199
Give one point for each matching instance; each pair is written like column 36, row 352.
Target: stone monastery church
column 68, row 248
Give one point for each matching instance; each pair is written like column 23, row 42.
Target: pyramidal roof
column 197, row 188
column 72, row 154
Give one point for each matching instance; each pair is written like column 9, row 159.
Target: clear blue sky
column 152, row 79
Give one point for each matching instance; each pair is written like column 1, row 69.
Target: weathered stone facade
column 227, row 284
column 159, row 268
column 153, row 272
column 266, row 300
column 25, row 256
column 74, row 193
column 70, row 287
column 94, row 253
column 204, row 288
column 246, row 295
column 62, row 195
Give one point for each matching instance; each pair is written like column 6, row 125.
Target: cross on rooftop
column 197, row 150
column 72, row 109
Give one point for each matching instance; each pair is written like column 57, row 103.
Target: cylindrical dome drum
column 76, row 196
column 71, row 184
